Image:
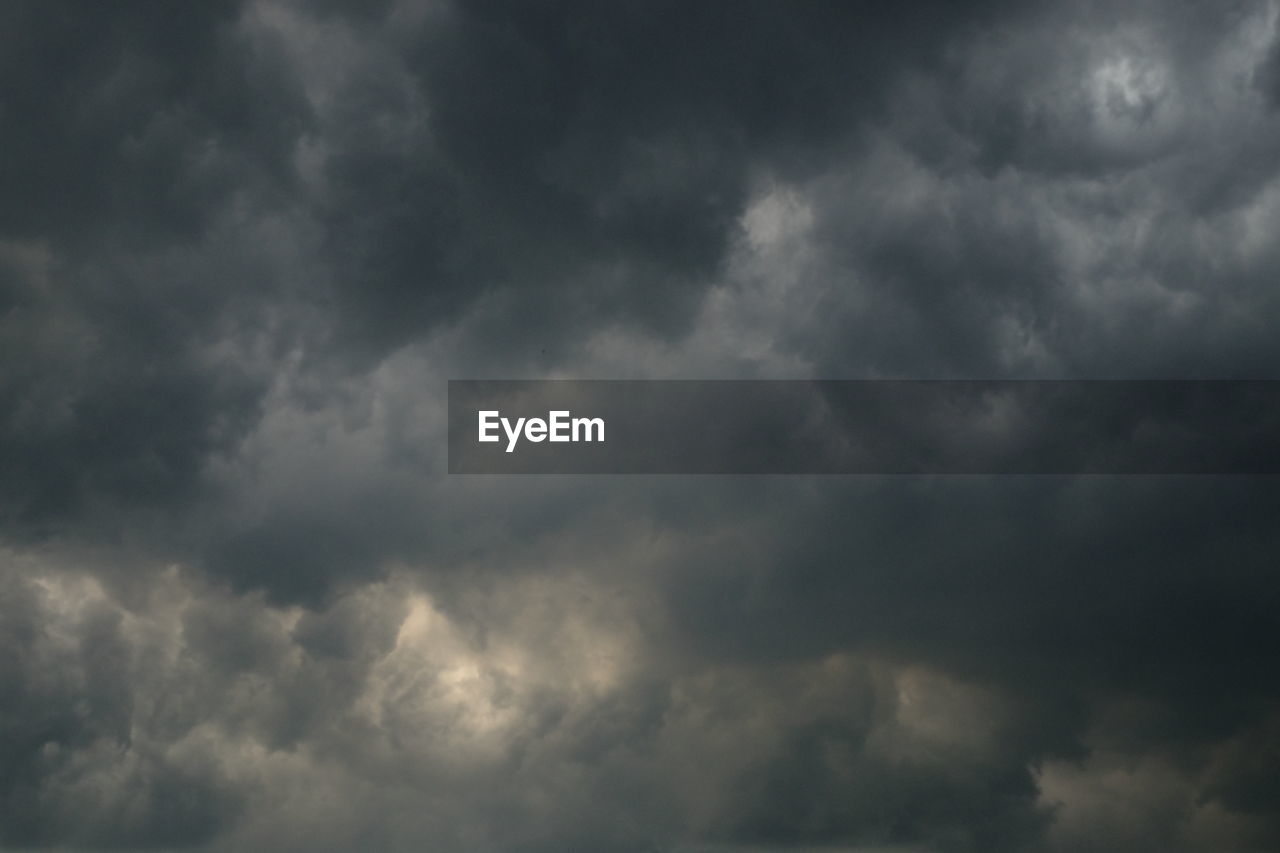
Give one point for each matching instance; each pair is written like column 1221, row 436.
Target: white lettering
column 587, row 424
column 513, row 435
column 488, row 421
column 558, row 427
column 559, row 420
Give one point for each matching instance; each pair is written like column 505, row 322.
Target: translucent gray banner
column 864, row 427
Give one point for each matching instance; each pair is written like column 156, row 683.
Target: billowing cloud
column 242, row 605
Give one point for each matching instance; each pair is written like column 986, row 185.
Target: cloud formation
column 243, row 246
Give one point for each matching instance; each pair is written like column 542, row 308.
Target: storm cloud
column 244, row 245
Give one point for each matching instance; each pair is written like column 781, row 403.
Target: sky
column 244, row 245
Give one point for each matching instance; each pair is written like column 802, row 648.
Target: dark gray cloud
column 243, row 246
column 139, row 139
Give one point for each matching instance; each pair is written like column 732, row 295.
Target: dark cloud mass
column 243, row 245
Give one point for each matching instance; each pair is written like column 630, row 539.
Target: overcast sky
column 244, row 245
